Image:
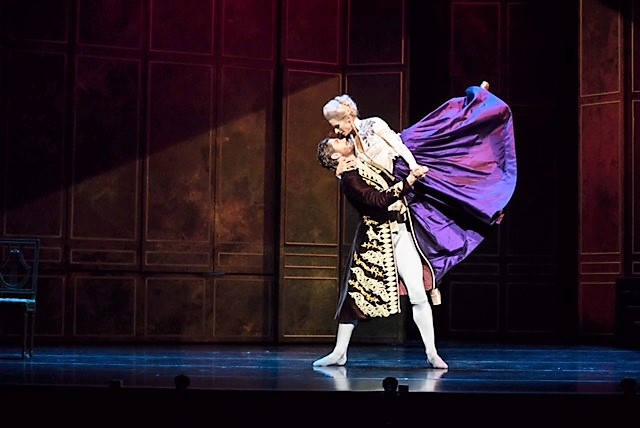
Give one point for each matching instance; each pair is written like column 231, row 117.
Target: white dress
column 381, row 144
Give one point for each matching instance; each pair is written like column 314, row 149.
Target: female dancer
column 468, row 145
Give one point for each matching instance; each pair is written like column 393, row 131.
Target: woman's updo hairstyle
column 340, row 107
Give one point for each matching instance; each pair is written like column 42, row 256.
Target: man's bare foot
column 484, row 85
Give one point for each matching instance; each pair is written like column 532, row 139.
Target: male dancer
column 383, row 248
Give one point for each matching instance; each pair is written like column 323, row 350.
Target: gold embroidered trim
column 373, row 280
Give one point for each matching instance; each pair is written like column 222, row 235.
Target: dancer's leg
column 423, row 318
column 410, row 270
column 338, row 356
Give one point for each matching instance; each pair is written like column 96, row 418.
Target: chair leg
column 33, row 331
column 24, row 332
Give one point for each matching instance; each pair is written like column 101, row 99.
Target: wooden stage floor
column 179, row 385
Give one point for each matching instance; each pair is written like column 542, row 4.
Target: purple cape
column 468, row 145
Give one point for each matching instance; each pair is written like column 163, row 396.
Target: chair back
column 19, row 259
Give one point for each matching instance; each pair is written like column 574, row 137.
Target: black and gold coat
column 370, row 285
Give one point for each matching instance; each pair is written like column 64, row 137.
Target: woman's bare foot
column 484, row 85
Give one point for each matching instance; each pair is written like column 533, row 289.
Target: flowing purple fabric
column 468, row 145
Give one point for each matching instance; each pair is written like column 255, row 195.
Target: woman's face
column 342, row 146
column 342, row 126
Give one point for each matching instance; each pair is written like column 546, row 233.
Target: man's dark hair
column 325, row 150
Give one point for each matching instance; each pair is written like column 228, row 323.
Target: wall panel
column 310, row 219
column 246, row 192
column 597, row 305
column 104, row 201
column 174, row 307
column 635, row 189
column 104, row 306
column 249, row 29
column 313, row 31
column 185, row 26
column 178, row 193
column 385, row 44
column 524, row 302
column 51, row 315
column 243, row 309
column 634, row 146
column 600, row 48
column 33, row 159
column 110, row 23
column 601, row 163
column 379, row 94
column 474, row 306
column 38, row 21
column 539, row 167
column 600, row 179
column 527, row 83
column 476, row 38
column 301, row 170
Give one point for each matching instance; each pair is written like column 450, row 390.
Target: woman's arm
column 392, row 138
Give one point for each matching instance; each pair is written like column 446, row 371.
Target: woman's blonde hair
column 340, row 107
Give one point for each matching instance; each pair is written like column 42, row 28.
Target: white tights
column 409, row 267
column 338, row 357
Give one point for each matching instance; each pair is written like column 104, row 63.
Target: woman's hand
column 416, row 174
column 345, row 164
column 420, row 171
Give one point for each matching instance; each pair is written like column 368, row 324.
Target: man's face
column 342, row 146
column 342, row 127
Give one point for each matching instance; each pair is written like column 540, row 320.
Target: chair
column 19, row 282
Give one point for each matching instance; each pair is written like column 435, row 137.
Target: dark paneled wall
column 608, row 159
column 139, row 145
column 601, row 150
column 164, row 152
column 521, row 282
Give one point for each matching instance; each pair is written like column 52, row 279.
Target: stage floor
column 473, row 367
column 481, row 377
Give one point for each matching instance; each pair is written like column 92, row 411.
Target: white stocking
column 409, row 265
column 410, row 270
column 338, row 356
column 423, row 318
